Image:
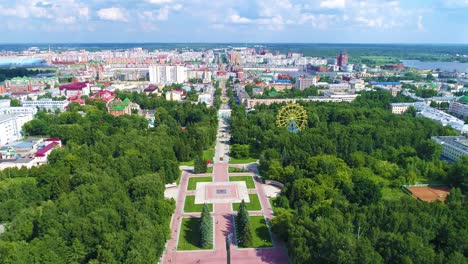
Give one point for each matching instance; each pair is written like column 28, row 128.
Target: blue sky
column 335, row 21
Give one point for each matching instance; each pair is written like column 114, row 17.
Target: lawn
column 254, row 204
column 208, row 154
column 242, row 161
column 260, row 234
column 192, row 183
column 209, row 170
column 191, row 207
column 248, row 180
column 189, row 234
column 392, row 194
column 232, row 170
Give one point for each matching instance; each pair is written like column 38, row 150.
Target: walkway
column 223, row 217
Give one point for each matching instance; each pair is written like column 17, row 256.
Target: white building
column 10, row 126
column 303, row 83
column 18, row 110
column 47, row 104
column 167, row 74
column 453, row 148
column 400, row 108
column 459, row 109
column 4, row 103
column 174, row 95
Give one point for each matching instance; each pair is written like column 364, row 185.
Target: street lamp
column 228, row 248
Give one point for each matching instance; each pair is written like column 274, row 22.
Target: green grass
column 254, row 204
column 260, row 234
column 248, row 180
column 191, row 207
column 392, row 194
column 242, row 161
column 209, row 170
column 208, row 154
column 192, row 183
column 190, row 234
column 233, row 170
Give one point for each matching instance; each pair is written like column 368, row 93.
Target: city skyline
column 280, row 21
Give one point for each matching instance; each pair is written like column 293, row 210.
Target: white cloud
column 66, row 20
column 236, row 19
column 158, row 2
column 333, row 4
column 112, row 14
column 420, row 24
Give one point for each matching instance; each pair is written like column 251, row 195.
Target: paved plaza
column 221, row 192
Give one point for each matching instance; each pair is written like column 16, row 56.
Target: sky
column 240, row 21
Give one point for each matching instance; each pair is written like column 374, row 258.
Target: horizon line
column 334, row 43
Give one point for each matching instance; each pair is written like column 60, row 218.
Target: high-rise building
column 167, row 74
column 342, row 59
column 235, row 57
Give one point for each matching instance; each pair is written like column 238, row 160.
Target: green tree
column 206, row 228
column 243, row 228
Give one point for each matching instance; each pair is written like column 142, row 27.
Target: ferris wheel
column 293, row 117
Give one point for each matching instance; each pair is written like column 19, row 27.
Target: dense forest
column 100, row 198
column 9, row 73
column 341, row 202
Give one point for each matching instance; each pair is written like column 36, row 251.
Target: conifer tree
column 206, row 228
column 243, row 228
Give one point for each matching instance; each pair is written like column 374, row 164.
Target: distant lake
column 432, row 65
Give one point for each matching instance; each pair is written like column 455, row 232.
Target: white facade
column 4, row 103
column 47, row 104
column 18, row 110
column 453, row 148
column 10, row 126
column 400, row 108
column 173, row 95
column 459, row 108
column 167, row 74
column 304, row 83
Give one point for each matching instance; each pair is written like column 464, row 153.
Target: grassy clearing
column 191, row 207
column 190, row 234
column 192, row 183
column 254, row 204
column 242, row 161
column 233, row 170
column 248, row 180
column 208, row 154
column 392, row 194
column 260, row 234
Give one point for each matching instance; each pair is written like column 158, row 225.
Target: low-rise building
column 400, row 108
column 46, row 104
column 18, row 110
column 119, row 107
column 304, row 83
column 174, row 95
column 75, row 89
column 104, row 95
column 453, row 147
column 459, row 108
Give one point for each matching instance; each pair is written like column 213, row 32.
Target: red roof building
column 104, row 95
